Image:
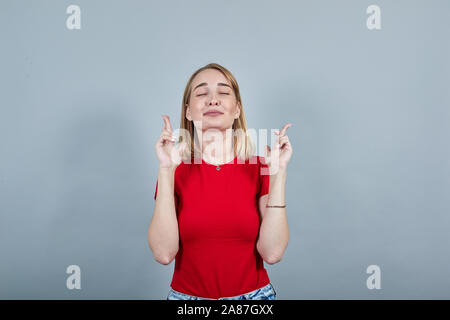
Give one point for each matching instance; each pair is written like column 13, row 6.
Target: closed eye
column 204, row 94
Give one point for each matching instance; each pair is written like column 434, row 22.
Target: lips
column 212, row 113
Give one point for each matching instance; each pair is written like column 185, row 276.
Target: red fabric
column 218, row 223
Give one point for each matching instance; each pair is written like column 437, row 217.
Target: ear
column 188, row 113
column 238, row 111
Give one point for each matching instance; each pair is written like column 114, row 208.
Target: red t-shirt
column 218, row 223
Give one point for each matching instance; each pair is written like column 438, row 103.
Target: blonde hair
column 244, row 147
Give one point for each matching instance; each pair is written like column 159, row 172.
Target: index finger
column 285, row 127
column 167, row 124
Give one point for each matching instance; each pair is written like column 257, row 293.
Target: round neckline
column 218, row 165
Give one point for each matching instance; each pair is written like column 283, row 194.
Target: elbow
column 165, row 260
column 272, row 259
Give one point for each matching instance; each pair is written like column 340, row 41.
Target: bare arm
column 274, row 231
column 163, row 231
column 162, row 235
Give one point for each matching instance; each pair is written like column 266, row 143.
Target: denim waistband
column 268, row 286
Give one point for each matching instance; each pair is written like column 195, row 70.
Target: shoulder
column 262, row 160
column 187, row 169
column 181, row 168
column 259, row 160
column 257, row 164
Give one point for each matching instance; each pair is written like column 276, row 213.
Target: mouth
column 213, row 113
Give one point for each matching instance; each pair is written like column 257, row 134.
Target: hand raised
column 281, row 154
column 169, row 155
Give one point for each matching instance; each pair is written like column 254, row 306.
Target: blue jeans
column 265, row 293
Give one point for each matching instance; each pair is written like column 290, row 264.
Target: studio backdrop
column 365, row 85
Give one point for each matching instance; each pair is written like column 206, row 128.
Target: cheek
column 230, row 107
column 196, row 111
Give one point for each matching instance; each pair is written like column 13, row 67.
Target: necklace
column 218, row 165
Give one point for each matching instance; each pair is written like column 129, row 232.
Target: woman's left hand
column 279, row 157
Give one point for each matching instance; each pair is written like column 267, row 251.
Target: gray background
column 81, row 110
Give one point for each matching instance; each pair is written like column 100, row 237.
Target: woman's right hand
column 169, row 155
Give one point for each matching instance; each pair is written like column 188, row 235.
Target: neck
column 217, row 146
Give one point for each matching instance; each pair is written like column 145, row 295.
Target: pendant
column 217, row 168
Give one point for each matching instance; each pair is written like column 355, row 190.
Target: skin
column 274, row 230
column 210, row 92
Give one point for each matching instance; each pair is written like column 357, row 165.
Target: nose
column 213, row 100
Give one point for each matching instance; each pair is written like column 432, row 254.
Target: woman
column 220, row 210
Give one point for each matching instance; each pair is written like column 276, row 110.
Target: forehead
column 211, row 77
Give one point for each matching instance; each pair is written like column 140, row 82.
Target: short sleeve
column 264, row 177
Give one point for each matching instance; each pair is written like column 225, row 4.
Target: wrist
column 278, row 172
column 166, row 170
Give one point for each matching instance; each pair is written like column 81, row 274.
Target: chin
column 211, row 125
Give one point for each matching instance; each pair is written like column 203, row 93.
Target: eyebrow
column 205, row 84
